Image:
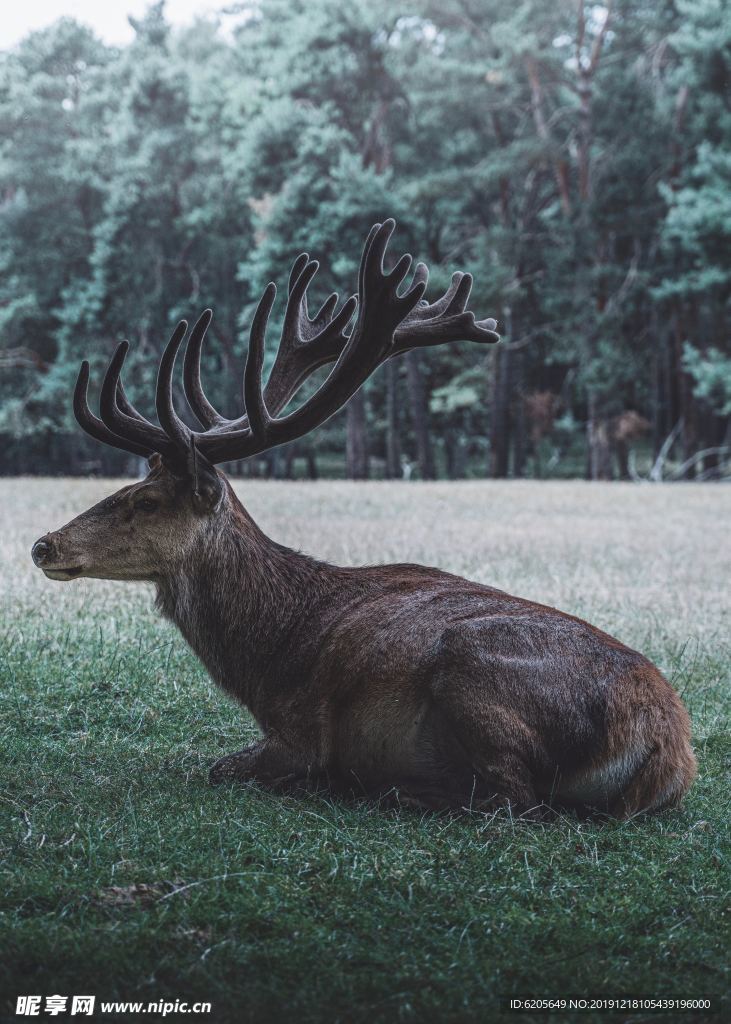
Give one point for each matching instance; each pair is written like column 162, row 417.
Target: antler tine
column 204, row 411
column 177, row 431
column 459, row 298
column 421, row 276
column 309, row 326
column 295, row 316
column 297, row 267
column 125, row 405
column 364, row 257
column 324, row 314
column 134, row 428
column 429, row 310
column 462, row 327
column 336, row 327
column 93, row 425
column 256, row 409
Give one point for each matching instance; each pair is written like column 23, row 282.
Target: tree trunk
column 454, row 451
column 500, row 413
column 537, row 459
column 274, row 464
column 623, row 459
column 599, row 449
column 393, row 446
column 657, row 395
column 356, row 448
column 290, row 451
column 517, row 414
column 420, row 415
column 686, row 401
column 715, row 434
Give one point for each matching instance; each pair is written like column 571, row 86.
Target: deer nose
column 41, row 551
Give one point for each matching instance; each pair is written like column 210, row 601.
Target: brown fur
column 396, row 676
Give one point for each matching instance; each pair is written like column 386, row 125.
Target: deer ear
column 209, row 494
column 155, row 461
column 207, row 484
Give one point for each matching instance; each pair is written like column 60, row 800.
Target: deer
column 386, row 679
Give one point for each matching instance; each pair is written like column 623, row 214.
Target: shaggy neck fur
column 241, row 600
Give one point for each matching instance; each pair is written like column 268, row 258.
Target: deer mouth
column 69, row 573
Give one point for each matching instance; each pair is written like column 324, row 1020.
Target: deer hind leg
column 266, row 762
column 646, row 763
column 669, row 768
column 494, row 787
column 505, row 781
column 496, row 745
column 428, row 796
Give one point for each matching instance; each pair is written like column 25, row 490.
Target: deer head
column 141, row 530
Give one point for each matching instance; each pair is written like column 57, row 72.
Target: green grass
column 310, row 909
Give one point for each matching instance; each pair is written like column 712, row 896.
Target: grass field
column 124, row 874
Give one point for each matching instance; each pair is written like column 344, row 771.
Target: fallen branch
column 694, row 459
column 656, row 473
column 657, row 468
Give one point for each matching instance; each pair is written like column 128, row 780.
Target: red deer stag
column 386, row 678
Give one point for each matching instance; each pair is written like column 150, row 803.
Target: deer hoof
column 232, row 768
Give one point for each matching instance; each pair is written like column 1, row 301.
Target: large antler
column 307, row 343
column 387, row 323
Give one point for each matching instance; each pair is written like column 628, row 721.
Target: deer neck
column 238, row 598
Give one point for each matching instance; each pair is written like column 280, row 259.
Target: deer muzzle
column 45, row 554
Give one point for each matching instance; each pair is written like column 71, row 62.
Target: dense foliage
column 574, row 157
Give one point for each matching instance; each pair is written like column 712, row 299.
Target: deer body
column 384, row 678
column 407, row 677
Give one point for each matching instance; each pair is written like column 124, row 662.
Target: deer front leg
column 267, row 762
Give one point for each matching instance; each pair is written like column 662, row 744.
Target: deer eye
column 146, row 505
